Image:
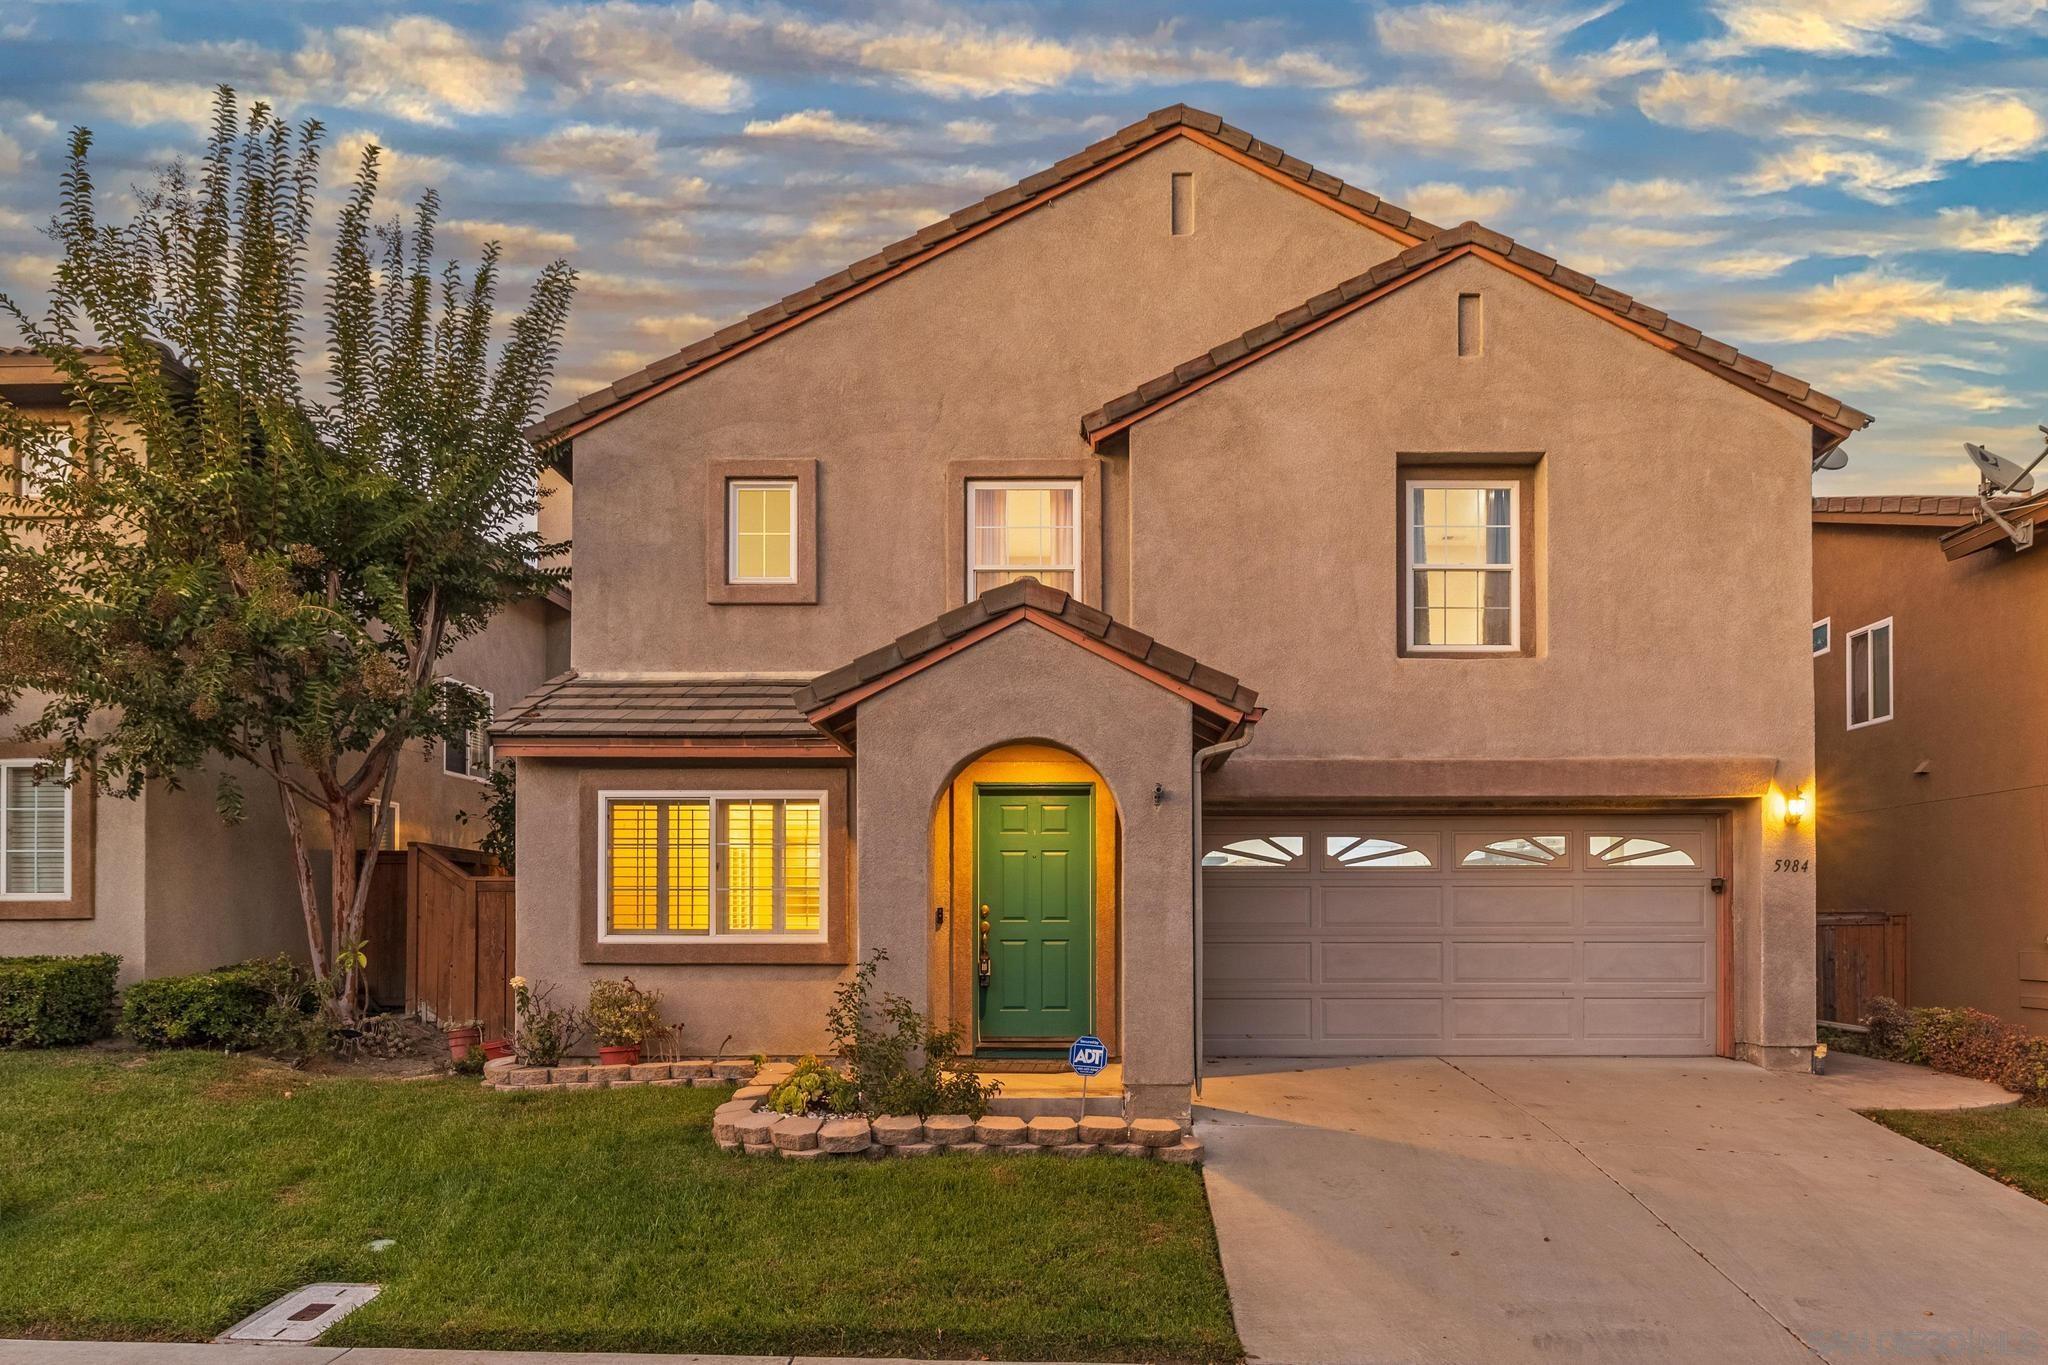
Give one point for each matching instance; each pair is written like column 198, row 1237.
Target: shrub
column 1965, row 1042
column 814, row 1088
column 899, row 1062
column 623, row 1015
column 544, row 1033
column 267, row 1003
column 55, row 1001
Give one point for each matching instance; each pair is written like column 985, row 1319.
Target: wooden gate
column 1862, row 953
column 459, row 948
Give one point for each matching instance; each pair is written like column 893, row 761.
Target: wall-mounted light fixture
column 1795, row 808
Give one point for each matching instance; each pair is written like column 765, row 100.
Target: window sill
column 710, row 953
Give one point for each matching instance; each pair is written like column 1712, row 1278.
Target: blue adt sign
column 1087, row 1055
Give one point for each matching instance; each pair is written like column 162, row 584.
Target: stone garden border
column 741, row 1124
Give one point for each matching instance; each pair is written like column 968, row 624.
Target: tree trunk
column 302, row 866
column 341, row 830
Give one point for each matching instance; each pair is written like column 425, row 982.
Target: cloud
column 521, row 242
column 1495, row 41
column 152, row 102
column 1877, row 302
column 1821, row 28
column 415, row 68
column 1713, row 99
column 1657, row 198
column 636, row 50
column 1989, row 125
column 1746, row 265
column 971, row 132
column 1867, row 175
column 590, row 151
column 843, row 229
column 1430, row 120
column 399, row 174
column 674, row 327
column 11, row 157
column 1610, row 247
column 1440, row 201
column 1919, row 373
column 822, row 125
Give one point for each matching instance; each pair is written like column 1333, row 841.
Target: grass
column 162, row 1197
column 2009, row 1145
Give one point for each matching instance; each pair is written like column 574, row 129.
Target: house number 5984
column 1794, row 865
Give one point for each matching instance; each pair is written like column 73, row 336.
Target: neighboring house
column 1516, row 565
column 1933, row 795
column 161, row 880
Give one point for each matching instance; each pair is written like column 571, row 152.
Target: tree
column 227, row 574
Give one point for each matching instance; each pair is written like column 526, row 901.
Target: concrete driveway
column 1624, row 1209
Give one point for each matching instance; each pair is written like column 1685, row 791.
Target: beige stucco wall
column 1022, row 685
column 1962, row 850
column 990, row 352
column 1671, row 555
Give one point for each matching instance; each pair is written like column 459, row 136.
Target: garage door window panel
column 1516, row 850
column 1636, row 851
column 1372, row 852
column 1265, row 851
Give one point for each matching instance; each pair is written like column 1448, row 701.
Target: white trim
column 733, row 488
column 1513, row 567
column 1828, row 623
column 1891, row 654
column 967, row 551
column 484, row 725
column 390, row 829
column 715, row 799
column 5, row 894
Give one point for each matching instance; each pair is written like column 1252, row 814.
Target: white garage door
column 1586, row 934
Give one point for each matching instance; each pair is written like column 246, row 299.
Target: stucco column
column 1774, row 935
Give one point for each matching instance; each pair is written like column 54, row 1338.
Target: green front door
column 1035, row 893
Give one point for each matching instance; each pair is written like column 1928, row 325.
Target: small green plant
column 56, row 1001
column 1966, row 1042
column 267, row 1004
column 472, row 1063
column 623, row 1015
column 500, row 817
column 814, row 1088
column 544, row 1033
column 900, row 1063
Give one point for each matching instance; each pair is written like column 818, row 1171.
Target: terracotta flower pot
column 628, row 1055
column 497, row 1048
column 461, row 1040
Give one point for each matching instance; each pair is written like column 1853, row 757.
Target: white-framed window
column 1870, row 674
column 1823, row 635
column 760, row 518
column 740, row 866
column 32, row 472
column 472, row 758
column 387, row 838
column 1019, row 528
column 35, row 833
column 1464, row 576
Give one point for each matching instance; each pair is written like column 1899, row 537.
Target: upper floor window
column 472, row 757
column 1823, row 636
column 35, row 833
column 1870, row 674
column 761, row 540
column 713, row 865
column 1019, row 529
column 1463, row 571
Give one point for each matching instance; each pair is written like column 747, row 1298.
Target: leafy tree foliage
column 224, row 576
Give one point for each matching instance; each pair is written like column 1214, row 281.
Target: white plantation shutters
column 35, row 834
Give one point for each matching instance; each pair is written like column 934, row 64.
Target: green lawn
column 163, row 1197
column 2006, row 1144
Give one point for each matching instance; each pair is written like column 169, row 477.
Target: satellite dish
column 2000, row 475
column 1837, row 458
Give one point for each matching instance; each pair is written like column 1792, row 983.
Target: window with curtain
column 711, row 865
column 1870, row 675
column 762, row 518
column 1463, row 571
column 35, row 834
column 1023, row 530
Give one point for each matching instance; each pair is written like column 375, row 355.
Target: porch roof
column 715, row 716
column 1223, row 706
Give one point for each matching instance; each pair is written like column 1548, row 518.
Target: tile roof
column 1026, row 593
column 1901, row 504
column 573, row 706
column 1714, row 355
column 1033, row 187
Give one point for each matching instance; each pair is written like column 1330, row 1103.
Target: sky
column 1855, row 191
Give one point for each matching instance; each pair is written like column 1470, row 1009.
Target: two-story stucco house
column 1421, row 670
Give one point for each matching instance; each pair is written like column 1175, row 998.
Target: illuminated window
column 1020, row 530
column 35, row 834
column 762, row 517
column 1463, row 580
column 665, row 874
column 1870, row 675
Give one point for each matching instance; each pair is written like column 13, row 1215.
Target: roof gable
column 1119, row 148
column 1831, row 419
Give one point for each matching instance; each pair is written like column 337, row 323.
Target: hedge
column 1965, row 1042
column 235, row 1007
column 55, row 1001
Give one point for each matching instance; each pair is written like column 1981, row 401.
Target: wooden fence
column 1861, row 954
column 460, row 949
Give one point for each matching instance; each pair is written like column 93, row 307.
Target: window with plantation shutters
column 35, row 834
column 724, row 865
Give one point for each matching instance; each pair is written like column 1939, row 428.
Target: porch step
column 1110, row 1105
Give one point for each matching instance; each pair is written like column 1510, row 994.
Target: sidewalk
column 184, row 1353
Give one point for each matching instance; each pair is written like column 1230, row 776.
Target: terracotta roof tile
column 738, row 707
column 1908, row 504
column 1716, row 354
column 550, row 427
